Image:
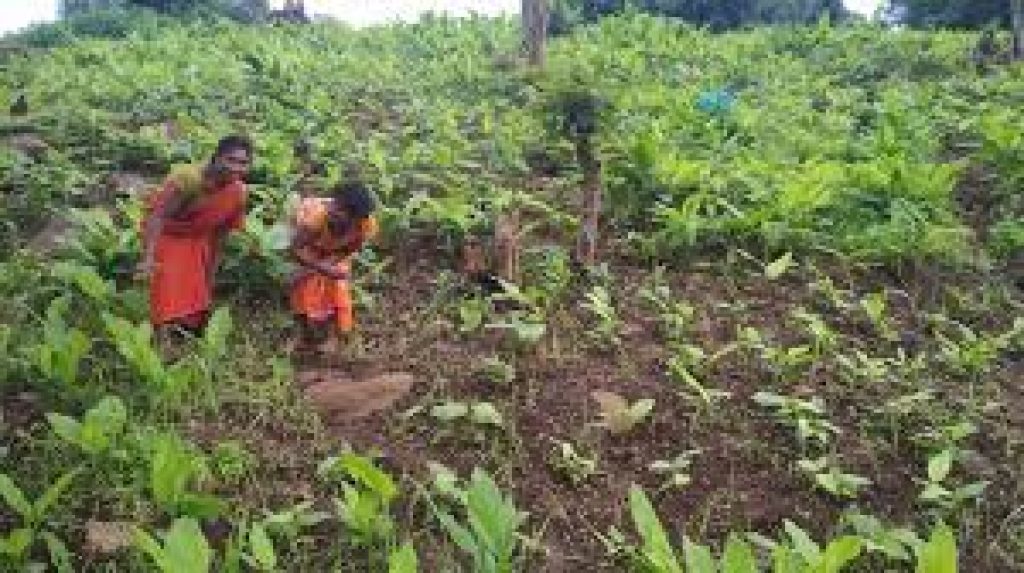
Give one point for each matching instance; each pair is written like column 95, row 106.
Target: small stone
column 108, row 537
column 343, row 399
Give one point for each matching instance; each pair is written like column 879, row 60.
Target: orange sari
column 317, row 297
column 181, row 286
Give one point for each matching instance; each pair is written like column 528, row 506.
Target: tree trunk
column 506, row 245
column 1018, row 29
column 586, row 242
column 535, row 29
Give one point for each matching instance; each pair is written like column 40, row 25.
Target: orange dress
column 180, row 289
column 317, row 297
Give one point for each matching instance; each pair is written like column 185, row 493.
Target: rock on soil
column 107, row 537
column 340, row 398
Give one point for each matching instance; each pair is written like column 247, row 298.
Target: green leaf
column 186, row 548
column 17, row 543
column 777, row 268
column 449, row 411
column 152, row 548
column 738, row 557
column 458, row 534
column 170, row 469
column 66, row 427
column 485, row 414
column 403, row 560
column 939, row 466
column 934, row 492
column 786, row 560
column 698, row 558
column 972, row 490
column 52, row 494
column 657, row 548
column 60, row 557
column 204, row 506
column 102, row 423
column 839, row 553
column 262, row 548
column 361, row 469
column 939, row 554
column 218, row 330
column 802, row 542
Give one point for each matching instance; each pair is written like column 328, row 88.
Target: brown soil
column 745, row 479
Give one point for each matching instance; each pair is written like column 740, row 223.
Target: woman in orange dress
column 328, row 232
column 182, row 236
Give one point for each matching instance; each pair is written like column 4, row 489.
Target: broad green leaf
column 403, row 560
column 85, row 278
column 152, row 548
column 170, row 469
column 199, row 505
column 839, row 553
column 102, row 423
column 52, row 494
column 738, row 557
column 485, row 414
column 698, row 558
column 786, row 560
column 262, row 548
column 60, row 557
column 939, row 466
column 445, row 481
column 233, row 556
column 656, row 548
column 66, row 427
column 218, row 330
column 458, row 534
column 802, row 542
column 449, row 411
column 939, row 554
column 17, row 543
column 186, row 548
column 369, row 476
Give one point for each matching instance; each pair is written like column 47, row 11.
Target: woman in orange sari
column 328, row 232
column 182, row 236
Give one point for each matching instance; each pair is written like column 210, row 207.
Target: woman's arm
column 297, row 252
column 209, row 214
column 163, row 207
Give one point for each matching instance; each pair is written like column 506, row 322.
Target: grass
column 799, row 328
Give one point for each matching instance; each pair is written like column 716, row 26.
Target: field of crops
column 802, row 350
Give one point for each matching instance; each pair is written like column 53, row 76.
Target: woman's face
column 232, row 165
column 339, row 219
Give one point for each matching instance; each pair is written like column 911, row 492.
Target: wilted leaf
column 777, row 268
column 484, row 413
column 449, row 411
column 933, row 492
column 939, row 466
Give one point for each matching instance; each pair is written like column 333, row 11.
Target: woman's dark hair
column 354, row 197
column 232, row 143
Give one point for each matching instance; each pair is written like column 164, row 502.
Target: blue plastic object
column 716, row 102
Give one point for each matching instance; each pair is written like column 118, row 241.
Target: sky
column 16, row 14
